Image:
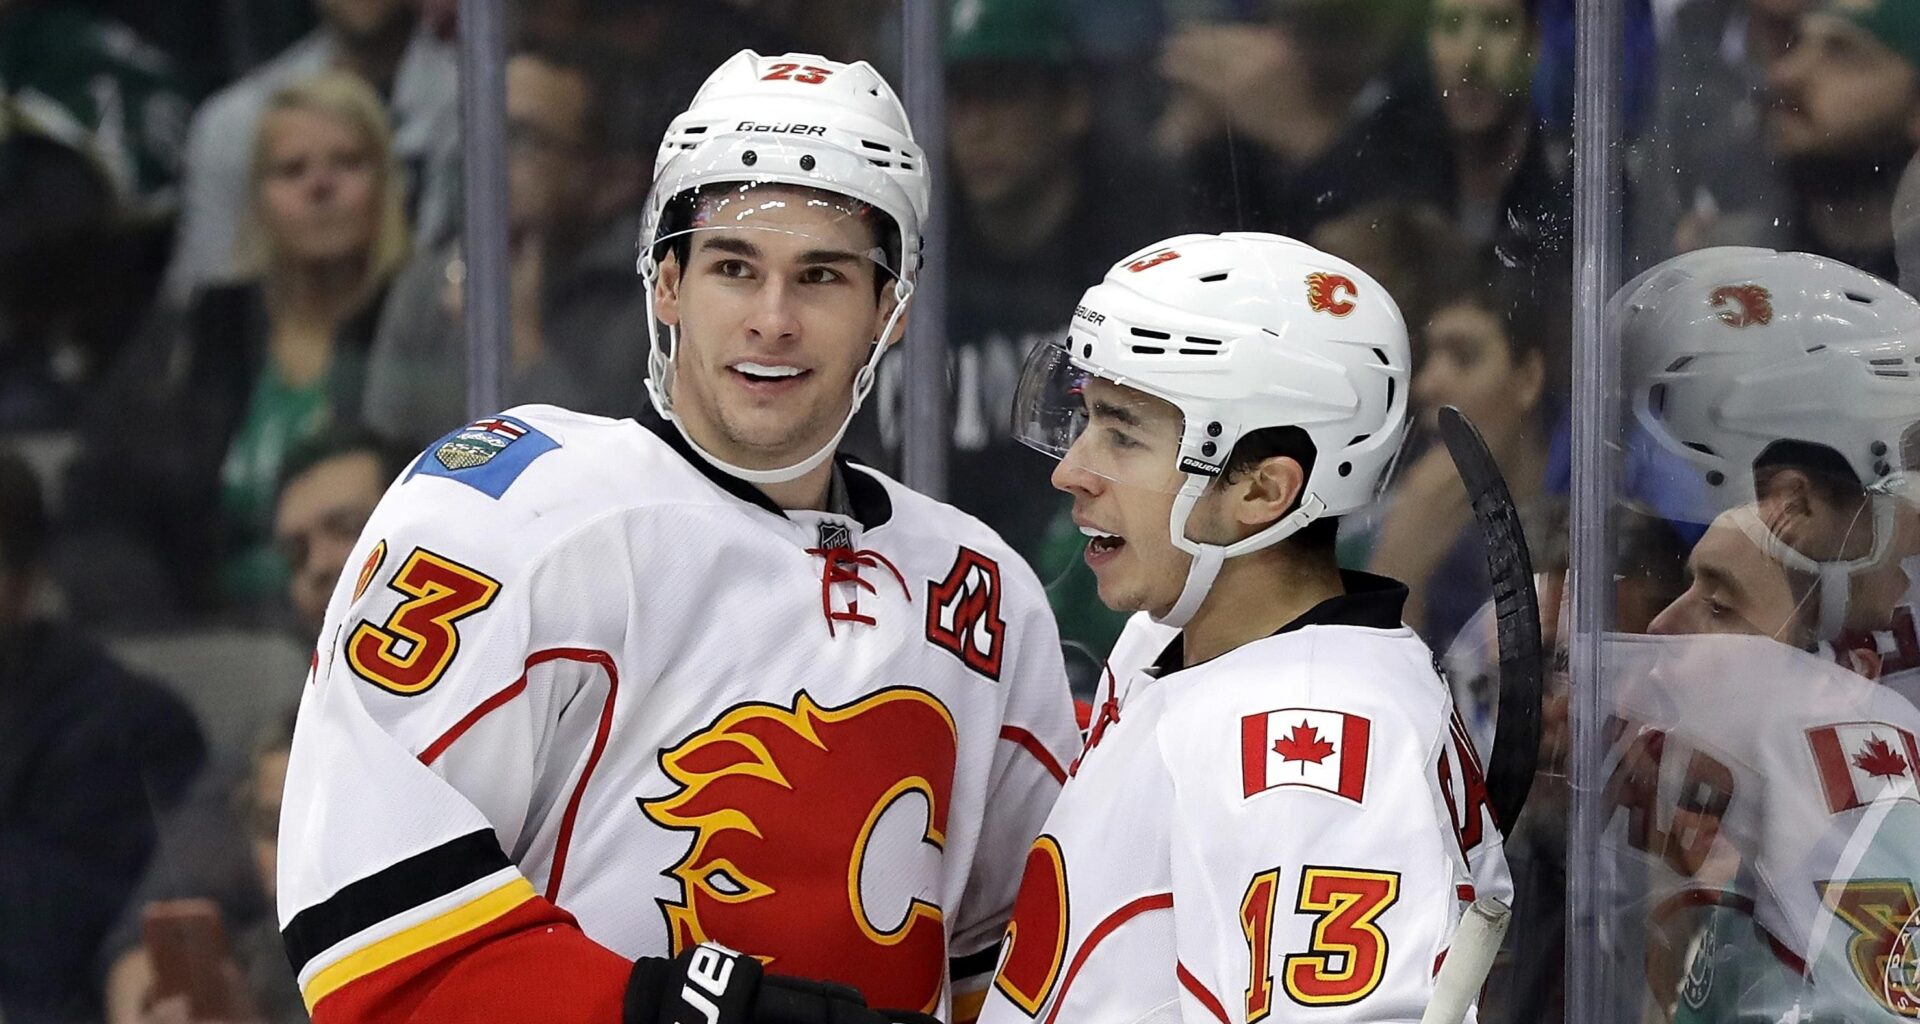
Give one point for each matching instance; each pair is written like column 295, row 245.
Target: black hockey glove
column 711, row 984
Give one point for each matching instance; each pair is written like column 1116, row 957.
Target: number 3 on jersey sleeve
column 1348, row 956
column 411, row 651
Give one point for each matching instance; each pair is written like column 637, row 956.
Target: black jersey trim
column 866, row 495
column 1367, row 601
column 391, row 891
column 974, row 965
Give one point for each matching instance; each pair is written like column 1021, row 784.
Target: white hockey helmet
column 1240, row 332
column 1731, row 352
column 792, row 120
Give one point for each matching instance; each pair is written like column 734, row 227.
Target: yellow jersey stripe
column 431, row 932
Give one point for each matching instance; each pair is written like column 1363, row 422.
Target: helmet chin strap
column 1835, row 578
column 1208, row 558
column 660, row 369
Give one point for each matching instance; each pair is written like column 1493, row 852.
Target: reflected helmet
column 1729, row 351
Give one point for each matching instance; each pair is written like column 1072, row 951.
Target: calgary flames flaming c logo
column 1743, row 305
column 1331, row 293
column 783, row 804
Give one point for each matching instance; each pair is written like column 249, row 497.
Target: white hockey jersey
column 1291, row 829
column 588, row 699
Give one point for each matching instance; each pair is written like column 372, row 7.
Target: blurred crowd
column 232, row 293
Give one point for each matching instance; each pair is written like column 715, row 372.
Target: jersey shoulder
column 1327, row 676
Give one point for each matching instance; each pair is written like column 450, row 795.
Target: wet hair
column 1317, row 538
column 23, row 516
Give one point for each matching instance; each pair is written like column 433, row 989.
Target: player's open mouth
column 768, row 375
column 1101, row 545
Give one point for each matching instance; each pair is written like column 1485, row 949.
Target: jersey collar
column 1368, row 601
column 853, row 492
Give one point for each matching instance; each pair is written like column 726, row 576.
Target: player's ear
column 1268, row 491
column 666, row 290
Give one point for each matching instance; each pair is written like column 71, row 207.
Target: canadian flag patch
column 1324, row 750
column 1865, row 762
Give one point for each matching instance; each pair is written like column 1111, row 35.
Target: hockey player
column 1276, row 812
column 603, row 691
column 1762, row 783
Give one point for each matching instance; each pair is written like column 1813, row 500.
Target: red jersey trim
column 1032, row 744
column 499, row 700
column 1155, row 901
column 1199, row 992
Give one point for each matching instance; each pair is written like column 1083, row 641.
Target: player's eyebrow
column 1103, row 409
column 730, row 243
column 829, row 256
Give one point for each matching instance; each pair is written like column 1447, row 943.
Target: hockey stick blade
column 1516, row 734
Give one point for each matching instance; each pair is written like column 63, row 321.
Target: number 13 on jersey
column 1348, row 955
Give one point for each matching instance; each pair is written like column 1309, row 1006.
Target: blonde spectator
column 247, row 371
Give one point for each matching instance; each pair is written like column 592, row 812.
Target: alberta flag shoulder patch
column 487, row 455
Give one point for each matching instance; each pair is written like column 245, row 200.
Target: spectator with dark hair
column 1845, row 119
column 1305, row 111
column 1490, row 353
column 576, row 172
column 1512, row 188
column 94, row 85
column 248, row 371
column 415, row 74
column 93, row 755
column 328, row 488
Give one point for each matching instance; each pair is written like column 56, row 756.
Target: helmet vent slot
column 1703, row 449
column 1887, row 361
column 1142, row 332
column 1816, row 348
column 1679, row 364
column 1657, row 399
column 1191, row 340
column 1199, row 351
column 881, row 146
column 697, row 129
column 1865, row 300
column 1211, row 278
column 1390, row 392
column 1357, row 438
column 1381, row 354
column 1148, row 350
column 881, row 163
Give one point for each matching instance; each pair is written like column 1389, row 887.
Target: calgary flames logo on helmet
column 786, row 807
column 1742, row 305
column 1331, row 293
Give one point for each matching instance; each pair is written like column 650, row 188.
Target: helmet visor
column 1097, row 424
column 761, row 227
